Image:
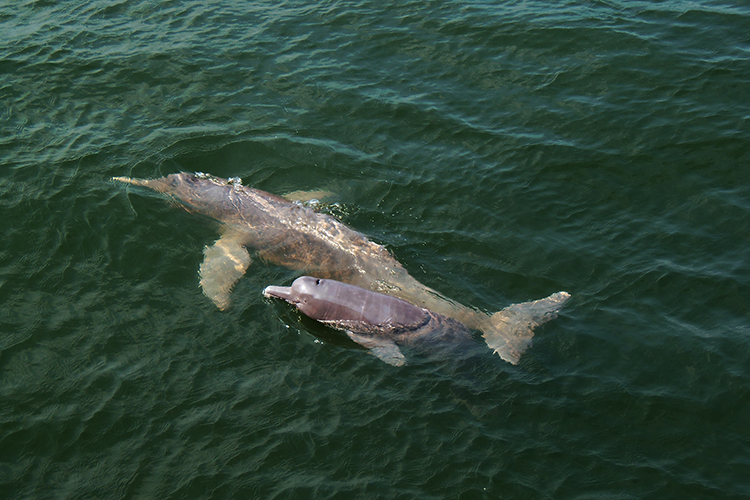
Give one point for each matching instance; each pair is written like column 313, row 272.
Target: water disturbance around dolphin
column 296, row 237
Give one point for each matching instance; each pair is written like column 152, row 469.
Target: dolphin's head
column 312, row 296
column 170, row 184
column 198, row 191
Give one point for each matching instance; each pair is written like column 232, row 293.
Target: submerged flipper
column 384, row 349
column 510, row 331
column 224, row 263
column 306, row 196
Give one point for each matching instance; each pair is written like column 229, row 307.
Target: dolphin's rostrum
column 298, row 238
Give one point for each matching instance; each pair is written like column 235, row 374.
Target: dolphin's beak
column 278, row 292
column 130, row 180
column 161, row 185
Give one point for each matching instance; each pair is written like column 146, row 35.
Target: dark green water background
column 503, row 151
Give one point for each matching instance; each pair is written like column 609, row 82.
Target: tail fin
column 509, row 332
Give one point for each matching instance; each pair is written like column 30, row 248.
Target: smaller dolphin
column 382, row 323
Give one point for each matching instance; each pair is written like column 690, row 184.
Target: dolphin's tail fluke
column 509, row 332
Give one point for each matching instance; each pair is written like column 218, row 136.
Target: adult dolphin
column 298, row 238
column 383, row 324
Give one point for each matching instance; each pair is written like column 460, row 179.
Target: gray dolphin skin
column 296, row 237
column 379, row 322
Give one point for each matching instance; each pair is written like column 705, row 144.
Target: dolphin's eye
column 317, row 281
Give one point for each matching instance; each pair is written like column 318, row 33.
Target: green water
column 501, row 151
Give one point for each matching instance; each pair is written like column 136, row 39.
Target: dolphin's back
column 297, row 237
column 286, row 233
column 344, row 303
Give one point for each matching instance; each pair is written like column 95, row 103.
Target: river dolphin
column 382, row 323
column 296, row 237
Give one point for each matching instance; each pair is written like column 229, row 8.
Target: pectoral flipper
column 224, row 263
column 382, row 348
